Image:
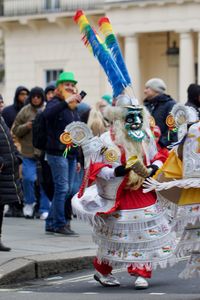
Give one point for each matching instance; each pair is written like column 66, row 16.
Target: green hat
column 107, row 98
column 66, row 76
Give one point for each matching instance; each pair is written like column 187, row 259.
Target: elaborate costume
column 179, row 181
column 131, row 229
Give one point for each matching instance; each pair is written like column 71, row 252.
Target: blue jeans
column 63, row 172
column 77, row 182
column 29, row 176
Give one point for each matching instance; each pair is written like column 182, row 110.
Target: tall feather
column 102, row 53
column 112, row 43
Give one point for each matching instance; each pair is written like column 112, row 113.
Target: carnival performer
column 131, row 229
column 179, row 181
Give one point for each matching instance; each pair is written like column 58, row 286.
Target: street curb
column 39, row 266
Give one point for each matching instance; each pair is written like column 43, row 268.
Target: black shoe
column 14, row 213
column 4, row 248
column 49, row 230
column 68, row 227
column 65, row 231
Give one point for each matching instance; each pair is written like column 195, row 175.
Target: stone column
column 186, row 64
column 131, row 51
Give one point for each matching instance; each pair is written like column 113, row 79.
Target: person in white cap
column 160, row 105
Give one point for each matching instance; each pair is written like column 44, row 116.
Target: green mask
column 133, row 124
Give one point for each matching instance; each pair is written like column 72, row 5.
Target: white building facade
column 41, row 39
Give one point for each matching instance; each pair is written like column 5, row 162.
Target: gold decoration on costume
column 65, row 138
column 152, row 121
column 137, row 166
column 170, row 122
column 131, row 161
column 111, row 155
column 103, row 149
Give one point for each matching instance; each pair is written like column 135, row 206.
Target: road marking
column 158, row 294
column 90, row 293
column 53, row 278
column 9, row 290
column 83, row 278
column 25, row 292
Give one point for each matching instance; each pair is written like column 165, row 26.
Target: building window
column 52, row 4
column 52, row 75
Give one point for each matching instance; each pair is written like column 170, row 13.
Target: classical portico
column 39, row 40
column 134, row 21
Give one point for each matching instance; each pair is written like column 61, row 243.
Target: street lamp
column 172, row 53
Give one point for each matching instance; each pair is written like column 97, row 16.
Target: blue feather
column 114, row 47
column 102, row 53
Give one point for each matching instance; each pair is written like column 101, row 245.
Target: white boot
column 141, row 283
column 106, row 280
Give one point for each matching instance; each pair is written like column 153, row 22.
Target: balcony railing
column 10, row 8
column 133, row 1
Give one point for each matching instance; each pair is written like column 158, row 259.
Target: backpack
column 39, row 131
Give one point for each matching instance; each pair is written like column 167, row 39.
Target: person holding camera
column 59, row 112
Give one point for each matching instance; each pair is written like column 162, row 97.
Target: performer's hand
column 121, row 171
column 152, row 170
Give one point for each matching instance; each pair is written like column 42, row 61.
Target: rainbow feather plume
column 102, row 53
column 112, row 43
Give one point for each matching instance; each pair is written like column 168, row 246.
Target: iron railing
column 10, row 8
column 133, row 1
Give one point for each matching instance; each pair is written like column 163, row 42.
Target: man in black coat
column 160, row 105
column 60, row 112
column 10, row 186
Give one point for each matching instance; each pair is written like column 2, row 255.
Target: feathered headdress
column 108, row 54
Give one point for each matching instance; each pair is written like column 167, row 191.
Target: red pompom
column 78, row 14
column 103, row 20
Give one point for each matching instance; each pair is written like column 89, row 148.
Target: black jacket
column 9, row 113
column 10, row 186
column 58, row 116
column 160, row 107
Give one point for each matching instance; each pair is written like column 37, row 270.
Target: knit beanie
column 157, row 85
column 50, row 87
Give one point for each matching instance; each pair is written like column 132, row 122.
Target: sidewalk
column 35, row 254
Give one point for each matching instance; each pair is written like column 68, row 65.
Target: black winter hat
column 50, row 87
column 37, row 91
column 193, row 92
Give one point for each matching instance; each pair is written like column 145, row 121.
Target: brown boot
column 4, row 248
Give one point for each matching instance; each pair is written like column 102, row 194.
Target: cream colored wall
column 29, row 52
column 39, row 45
column 153, row 62
column 151, row 17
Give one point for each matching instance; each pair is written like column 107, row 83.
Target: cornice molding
column 119, row 4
